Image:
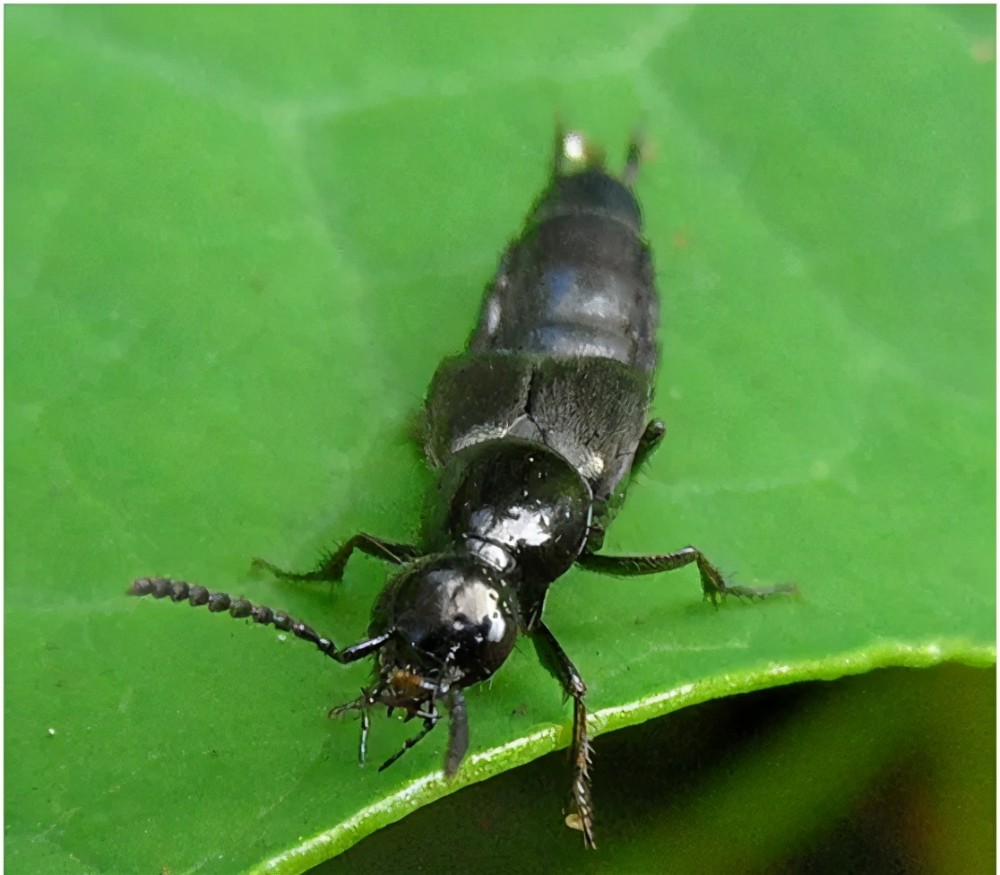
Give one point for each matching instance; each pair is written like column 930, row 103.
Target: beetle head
column 452, row 622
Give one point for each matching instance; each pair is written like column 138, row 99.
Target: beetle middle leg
column 554, row 658
column 712, row 583
column 332, row 565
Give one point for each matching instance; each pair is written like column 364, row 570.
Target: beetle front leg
column 554, row 658
column 430, row 721
column 362, row 704
column 331, row 567
column 458, row 732
column 712, row 583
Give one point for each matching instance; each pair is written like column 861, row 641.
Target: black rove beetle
column 535, row 430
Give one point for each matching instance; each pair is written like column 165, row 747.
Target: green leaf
column 239, row 240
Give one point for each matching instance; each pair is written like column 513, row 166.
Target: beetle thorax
column 521, row 507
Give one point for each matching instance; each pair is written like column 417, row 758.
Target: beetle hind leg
column 651, row 438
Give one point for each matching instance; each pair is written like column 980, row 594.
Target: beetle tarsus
column 713, row 585
column 582, row 810
column 555, row 660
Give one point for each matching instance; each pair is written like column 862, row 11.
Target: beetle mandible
column 534, row 430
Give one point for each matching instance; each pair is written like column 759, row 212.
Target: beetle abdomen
column 579, row 281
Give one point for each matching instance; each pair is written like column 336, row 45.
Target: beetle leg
column 363, row 704
column 366, row 725
column 554, row 658
column 650, row 440
column 458, row 732
column 332, row 565
column 634, row 160
column 712, row 583
column 430, row 721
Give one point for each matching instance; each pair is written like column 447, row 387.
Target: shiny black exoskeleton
column 535, row 430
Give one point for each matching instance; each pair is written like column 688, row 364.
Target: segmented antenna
column 217, row 602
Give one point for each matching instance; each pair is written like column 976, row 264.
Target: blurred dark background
column 905, row 784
